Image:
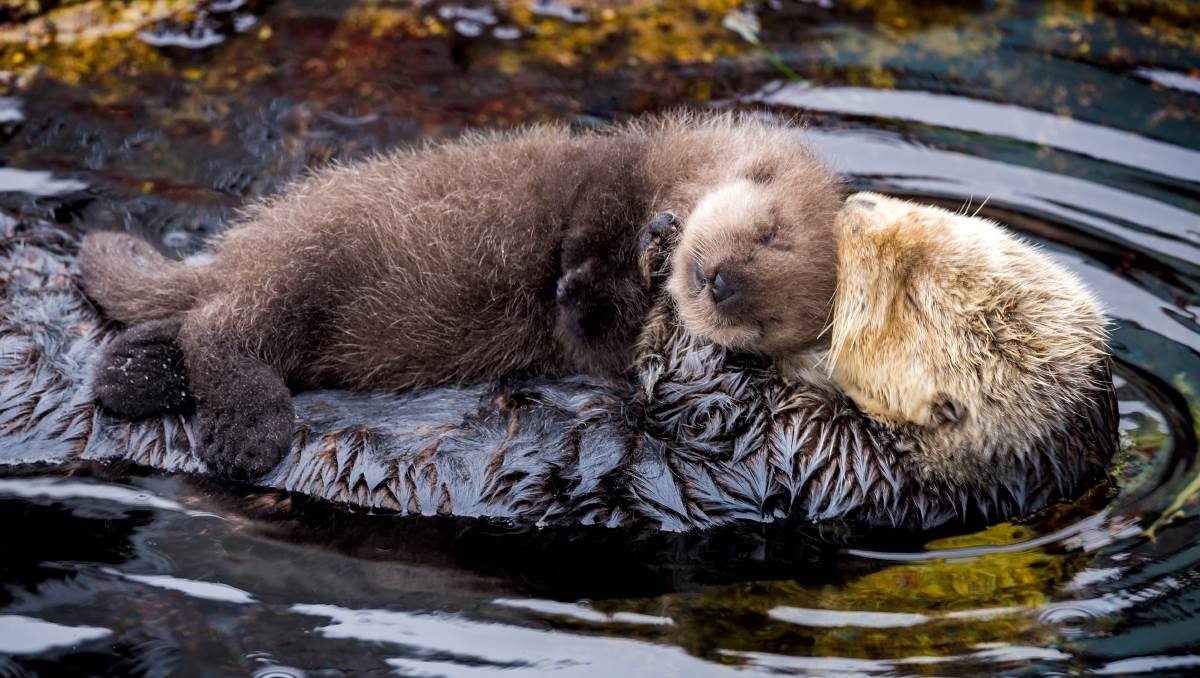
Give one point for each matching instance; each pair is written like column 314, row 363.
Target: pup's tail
column 132, row 282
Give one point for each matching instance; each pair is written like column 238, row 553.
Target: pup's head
column 755, row 266
column 948, row 325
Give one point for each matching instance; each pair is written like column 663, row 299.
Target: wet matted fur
column 717, row 441
column 475, row 259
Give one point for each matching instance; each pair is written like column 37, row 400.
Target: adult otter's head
column 958, row 334
column 755, row 264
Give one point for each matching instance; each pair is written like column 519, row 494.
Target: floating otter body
column 962, row 340
column 484, row 258
column 725, row 439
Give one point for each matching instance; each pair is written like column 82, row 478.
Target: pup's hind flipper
column 128, row 278
column 244, row 416
column 142, row 371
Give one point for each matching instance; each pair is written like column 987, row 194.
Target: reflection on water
column 1002, row 121
column 1074, row 122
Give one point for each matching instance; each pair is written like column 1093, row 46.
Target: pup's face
column 755, row 266
column 944, row 320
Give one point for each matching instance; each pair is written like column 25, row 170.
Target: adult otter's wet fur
column 725, row 440
column 490, row 256
column 960, row 338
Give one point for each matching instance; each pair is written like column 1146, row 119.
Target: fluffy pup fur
column 956, row 334
column 725, row 272
column 493, row 255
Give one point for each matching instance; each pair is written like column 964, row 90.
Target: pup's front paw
column 585, row 310
column 656, row 244
column 141, row 373
column 662, row 228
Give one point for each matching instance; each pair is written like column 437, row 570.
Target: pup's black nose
column 721, row 289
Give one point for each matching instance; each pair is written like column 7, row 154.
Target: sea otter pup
column 490, row 256
column 960, row 338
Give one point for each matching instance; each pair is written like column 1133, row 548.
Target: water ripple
column 993, row 119
column 1114, row 212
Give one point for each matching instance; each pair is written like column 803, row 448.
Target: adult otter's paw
column 141, row 372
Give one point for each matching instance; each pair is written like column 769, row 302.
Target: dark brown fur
column 491, row 256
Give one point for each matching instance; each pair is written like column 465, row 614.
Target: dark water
column 1075, row 122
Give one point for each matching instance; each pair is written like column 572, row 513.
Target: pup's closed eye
column 946, row 411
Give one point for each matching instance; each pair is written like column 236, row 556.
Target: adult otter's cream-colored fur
column 490, row 256
column 957, row 334
column 723, row 441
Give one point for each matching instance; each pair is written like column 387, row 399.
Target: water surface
column 1073, row 122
